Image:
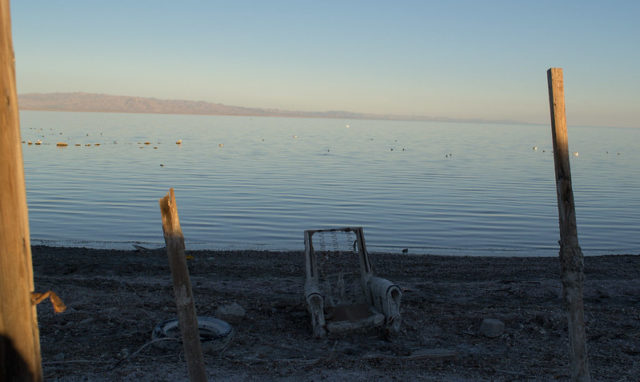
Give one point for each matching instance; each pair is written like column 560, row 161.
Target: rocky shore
column 116, row 298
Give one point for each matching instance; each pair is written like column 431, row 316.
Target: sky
column 458, row 59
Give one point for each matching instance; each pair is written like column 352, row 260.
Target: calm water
column 257, row 183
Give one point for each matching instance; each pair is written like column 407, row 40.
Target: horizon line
column 246, row 111
column 255, row 111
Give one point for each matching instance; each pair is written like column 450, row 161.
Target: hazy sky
column 462, row 59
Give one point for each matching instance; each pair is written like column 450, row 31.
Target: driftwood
column 417, row 355
column 56, row 302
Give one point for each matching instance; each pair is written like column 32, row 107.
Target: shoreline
column 116, row 297
column 372, row 249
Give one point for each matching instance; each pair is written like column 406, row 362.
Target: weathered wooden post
column 571, row 258
column 19, row 337
column 187, row 318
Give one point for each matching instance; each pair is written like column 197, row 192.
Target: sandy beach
column 116, row 298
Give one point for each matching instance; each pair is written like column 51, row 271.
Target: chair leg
column 393, row 318
column 316, row 308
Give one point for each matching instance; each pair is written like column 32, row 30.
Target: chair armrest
column 385, row 296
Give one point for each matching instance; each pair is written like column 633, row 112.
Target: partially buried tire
column 215, row 335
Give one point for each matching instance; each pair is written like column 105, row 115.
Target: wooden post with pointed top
column 187, row 319
column 20, row 358
column 571, row 258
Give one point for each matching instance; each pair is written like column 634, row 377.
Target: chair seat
column 345, row 318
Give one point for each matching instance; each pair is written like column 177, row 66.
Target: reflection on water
column 248, row 182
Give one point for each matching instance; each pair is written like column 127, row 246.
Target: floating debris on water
column 179, row 142
column 88, row 144
column 62, row 144
column 147, row 143
column 155, row 147
column 96, row 144
column 38, row 142
column 535, row 148
column 29, row 142
column 78, row 144
column 575, row 153
column 221, row 145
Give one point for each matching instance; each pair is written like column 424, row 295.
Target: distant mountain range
column 90, row 102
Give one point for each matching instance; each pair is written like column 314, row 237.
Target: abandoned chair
column 341, row 291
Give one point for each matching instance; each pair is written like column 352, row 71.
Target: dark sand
column 115, row 298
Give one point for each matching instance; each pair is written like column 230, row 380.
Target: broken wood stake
column 187, row 318
column 20, row 358
column 571, row 258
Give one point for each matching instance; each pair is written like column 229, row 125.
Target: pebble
column 491, row 327
column 231, row 312
column 87, row 321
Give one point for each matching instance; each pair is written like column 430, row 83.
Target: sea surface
column 259, row 182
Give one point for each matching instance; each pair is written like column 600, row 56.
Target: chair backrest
column 338, row 264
